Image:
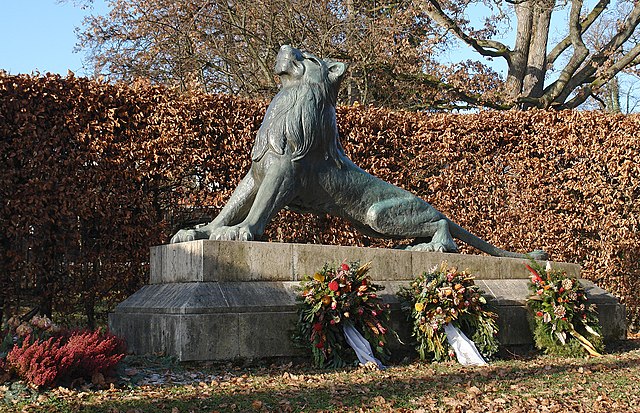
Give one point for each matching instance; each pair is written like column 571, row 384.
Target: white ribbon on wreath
column 360, row 345
column 466, row 352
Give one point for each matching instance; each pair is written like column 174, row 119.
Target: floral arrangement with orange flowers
column 564, row 323
column 445, row 295
column 332, row 297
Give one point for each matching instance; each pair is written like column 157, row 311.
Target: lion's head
column 302, row 116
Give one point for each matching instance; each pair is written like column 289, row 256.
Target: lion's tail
column 462, row 234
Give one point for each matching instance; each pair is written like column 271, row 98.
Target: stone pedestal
column 222, row 300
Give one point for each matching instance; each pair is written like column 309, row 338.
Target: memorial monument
column 298, row 162
column 215, row 294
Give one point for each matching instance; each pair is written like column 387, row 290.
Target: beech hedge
column 93, row 174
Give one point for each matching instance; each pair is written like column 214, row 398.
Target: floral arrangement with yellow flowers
column 564, row 323
column 445, row 295
column 330, row 298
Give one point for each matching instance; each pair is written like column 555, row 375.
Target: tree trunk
column 533, row 84
column 612, row 96
column 90, row 311
column 45, row 306
column 527, row 62
column 517, row 59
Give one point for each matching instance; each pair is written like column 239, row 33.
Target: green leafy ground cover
column 522, row 384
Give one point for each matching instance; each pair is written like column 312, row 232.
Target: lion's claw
column 186, row 235
column 233, row 233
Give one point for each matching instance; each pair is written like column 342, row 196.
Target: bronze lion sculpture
column 298, row 162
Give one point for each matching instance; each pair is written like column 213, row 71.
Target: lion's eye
column 313, row 59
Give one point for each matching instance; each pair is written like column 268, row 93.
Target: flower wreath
column 564, row 323
column 444, row 296
column 332, row 298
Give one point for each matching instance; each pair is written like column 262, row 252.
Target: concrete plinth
column 221, row 300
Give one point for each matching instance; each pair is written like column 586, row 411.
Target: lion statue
column 298, row 162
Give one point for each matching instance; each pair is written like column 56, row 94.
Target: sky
column 39, row 36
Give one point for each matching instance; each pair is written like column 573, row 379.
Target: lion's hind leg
column 442, row 241
column 411, row 217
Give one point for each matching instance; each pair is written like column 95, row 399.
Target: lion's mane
column 302, row 117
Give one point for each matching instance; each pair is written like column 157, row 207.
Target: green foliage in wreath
column 444, row 296
column 564, row 323
column 330, row 298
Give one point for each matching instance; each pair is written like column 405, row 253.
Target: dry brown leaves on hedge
column 93, row 174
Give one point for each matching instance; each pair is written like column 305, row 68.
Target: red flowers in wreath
column 329, row 298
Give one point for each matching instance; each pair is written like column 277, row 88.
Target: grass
column 541, row 383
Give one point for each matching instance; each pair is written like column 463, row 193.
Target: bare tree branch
column 240, row 23
column 490, row 48
column 606, row 54
column 220, row 46
column 605, row 76
column 584, row 26
column 474, row 100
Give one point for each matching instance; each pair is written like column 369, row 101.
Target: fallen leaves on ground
column 542, row 384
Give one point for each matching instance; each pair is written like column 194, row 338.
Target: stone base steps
column 217, row 300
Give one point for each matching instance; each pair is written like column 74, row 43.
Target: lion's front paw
column 185, row 235
column 233, row 233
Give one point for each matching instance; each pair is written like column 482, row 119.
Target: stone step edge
column 244, row 297
column 206, row 261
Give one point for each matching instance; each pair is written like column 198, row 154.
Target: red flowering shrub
column 95, row 352
column 40, row 362
column 60, row 360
